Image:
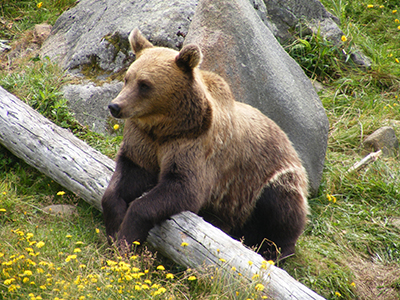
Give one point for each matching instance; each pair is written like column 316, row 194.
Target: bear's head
column 158, row 83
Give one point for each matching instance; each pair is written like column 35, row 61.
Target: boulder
column 90, row 104
column 95, row 33
column 285, row 15
column 237, row 45
column 382, row 139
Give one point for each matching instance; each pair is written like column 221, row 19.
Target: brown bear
column 189, row 146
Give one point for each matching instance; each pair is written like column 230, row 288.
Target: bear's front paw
column 127, row 241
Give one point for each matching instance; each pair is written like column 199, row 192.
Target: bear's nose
column 114, row 109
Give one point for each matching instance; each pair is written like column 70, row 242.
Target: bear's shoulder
column 218, row 88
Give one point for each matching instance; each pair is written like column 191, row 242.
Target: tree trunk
column 60, row 155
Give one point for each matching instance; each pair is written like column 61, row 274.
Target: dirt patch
column 375, row 281
column 29, row 44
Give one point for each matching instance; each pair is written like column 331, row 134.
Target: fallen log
column 206, row 245
column 53, row 150
column 79, row 168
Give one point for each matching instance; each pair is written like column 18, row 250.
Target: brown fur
column 188, row 145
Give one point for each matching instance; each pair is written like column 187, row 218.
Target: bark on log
column 60, row 155
column 208, row 244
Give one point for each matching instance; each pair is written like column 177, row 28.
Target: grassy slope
column 351, row 247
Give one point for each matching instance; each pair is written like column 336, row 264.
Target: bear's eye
column 125, row 80
column 143, row 86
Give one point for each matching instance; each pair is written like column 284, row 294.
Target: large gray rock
column 237, row 45
column 95, row 32
column 90, row 104
column 287, row 14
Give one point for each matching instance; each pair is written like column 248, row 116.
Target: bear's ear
column 189, row 57
column 138, row 41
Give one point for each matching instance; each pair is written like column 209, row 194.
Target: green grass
column 22, row 15
column 350, row 248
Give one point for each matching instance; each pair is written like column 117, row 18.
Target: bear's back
column 247, row 150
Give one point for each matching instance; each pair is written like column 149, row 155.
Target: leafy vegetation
column 351, row 246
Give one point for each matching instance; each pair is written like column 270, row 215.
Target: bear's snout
column 115, row 109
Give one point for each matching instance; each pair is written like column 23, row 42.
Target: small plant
column 318, row 57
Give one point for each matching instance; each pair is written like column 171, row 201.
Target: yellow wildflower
column 233, row 269
column 161, row 268
column 259, row 287
column 3, row 210
column 60, row 193
column 370, row 6
column 116, row 127
column 396, row 21
column 331, row 198
column 343, row 38
column 128, row 277
column 169, row 276
column 70, row 257
column 191, row 278
column 338, row 294
column 76, row 250
column 39, row 5
column 222, row 260
column 250, row 262
column 394, row 11
column 136, row 243
column 161, row 290
column 255, row 276
column 9, row 281
column 40, row 244
column 353, row 284
column 97, row 230
column 396, row 60
column 184, row 244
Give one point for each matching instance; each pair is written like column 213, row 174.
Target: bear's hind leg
column 276, row 222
